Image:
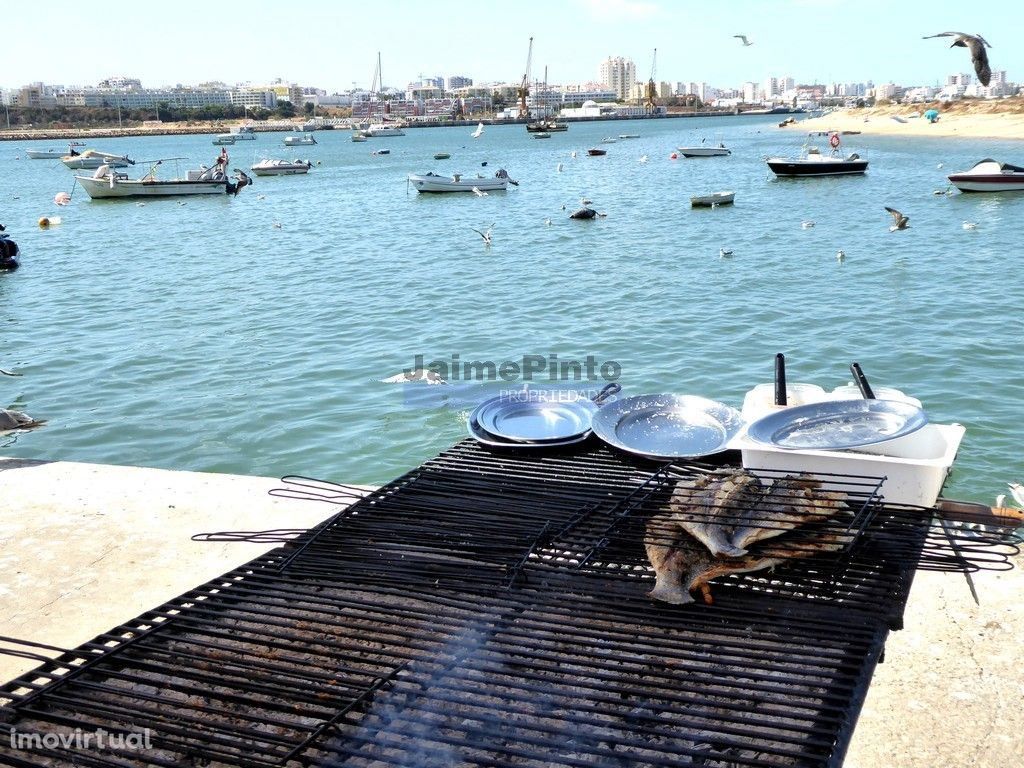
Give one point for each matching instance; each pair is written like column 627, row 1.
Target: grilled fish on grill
column 682, row 565
column 793, row 500
column 706, row 508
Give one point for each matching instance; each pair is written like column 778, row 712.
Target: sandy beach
column 995, row 120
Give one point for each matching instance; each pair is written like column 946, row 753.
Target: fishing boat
column 107, row 182
column 301, row 139
column 432, row 182
column 713, row 200
column 52, row 153
column 546, row 126
column 281, row 167
column 702, row 151
column 989, row 176
column 93, row 158
column 812, row 162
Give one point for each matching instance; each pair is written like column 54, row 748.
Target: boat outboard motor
column 583, row 213
column 503, row 174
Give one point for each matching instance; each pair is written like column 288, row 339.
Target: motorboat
column 300, row 140
column 713, row 200
column 381, row 152
column 224, row 138
column 52, row 153
column 442, row 156
column 358, row 136
column 812, row 163
column 93, row 158
column 281, row 167
column 597, row 152
column 107, row 182
column 432, row 182
column 608, row 140
column 546, row 126
column 629, row 135
column 244, row 133
column 542, row 135
column 989, row 176
column 377, row 130
column 702, row 151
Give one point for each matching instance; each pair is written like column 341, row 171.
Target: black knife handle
column 780, row 379
column 862, row 382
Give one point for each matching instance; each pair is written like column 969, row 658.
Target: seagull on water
column 807, row 224
column 900, row 220
column 744, row 39
column 485, row 235
column 559, row 167
column 976, row 44
column 840, row 256
column 479, row 192
column 724, row 252
column 11, row 420
column 431, row 377
column 643, row 158
column 970, row 225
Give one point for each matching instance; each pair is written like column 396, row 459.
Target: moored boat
column 244, row 133
column 813, row 163
column 719, row 151
column 224, row 139
column 595, row 152
column 432, row 182
column 378, row 130
column 542, row 135
column 53, row 153
column 301, row 139
column 107, row 182
column 989, row 176
column 281, row 167
column 441, row 156
column 713, row 199
column 93, row 158
column 546, row 126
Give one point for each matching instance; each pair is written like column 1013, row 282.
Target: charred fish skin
column 704, row 510
column 672, row 554
column 789, row 503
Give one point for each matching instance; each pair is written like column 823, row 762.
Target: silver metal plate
column 667, row 426
column 528, row 418
column 834, row 425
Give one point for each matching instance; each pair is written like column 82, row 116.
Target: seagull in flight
column 976, row 44
column 485, row 235
column 744, row 39
column 900, row 220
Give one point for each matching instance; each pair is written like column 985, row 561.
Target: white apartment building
column 618, row 75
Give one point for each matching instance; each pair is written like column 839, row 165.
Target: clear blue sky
column 331, row 44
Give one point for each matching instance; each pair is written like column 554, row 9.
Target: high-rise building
column 618, row 75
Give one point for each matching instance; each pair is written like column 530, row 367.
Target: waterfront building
column 455, row 82
column 618, row 74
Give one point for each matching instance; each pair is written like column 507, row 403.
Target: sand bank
column 883, row 122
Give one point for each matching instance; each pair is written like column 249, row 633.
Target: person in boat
column 8, row 251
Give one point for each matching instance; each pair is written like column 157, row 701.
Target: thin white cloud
column 619, row 10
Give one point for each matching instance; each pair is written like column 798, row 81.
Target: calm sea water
column 201, row 336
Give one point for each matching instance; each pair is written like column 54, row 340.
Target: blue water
column 202, row 337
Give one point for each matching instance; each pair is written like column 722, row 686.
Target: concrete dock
column 85, row 547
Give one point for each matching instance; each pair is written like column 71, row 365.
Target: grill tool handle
column 862, row 381
column 780, row 379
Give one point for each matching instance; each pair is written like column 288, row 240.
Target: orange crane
column 524, row 88
column 652, row 88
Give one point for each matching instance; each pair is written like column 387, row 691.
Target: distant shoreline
column 908, row 121
column 174, row 129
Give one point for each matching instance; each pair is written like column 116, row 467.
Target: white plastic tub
column 915, row 467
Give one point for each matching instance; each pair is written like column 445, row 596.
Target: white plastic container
column 760, row 400
column 915, row 467
column 850, row 392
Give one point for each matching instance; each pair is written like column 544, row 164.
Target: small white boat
column 431, row 182
column 52, row 154
column 989, row 176
column 300, row 140
column 281, row 167
column 110, row 183
column 608, row 140
column 713, row 200
column 358, row 137
column 812, row 163
column 719, row 151
column 93, row 158
column 224, row 138
column 629, row 135
column 377, row 130
column 541, row 135
column 244, row 133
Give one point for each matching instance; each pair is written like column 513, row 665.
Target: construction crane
column 524, row 88
column 652, row 88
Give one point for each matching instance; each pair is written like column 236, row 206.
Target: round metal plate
column 531, row 419
column 667, row 426
column 485, row 438
column 835, row 425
